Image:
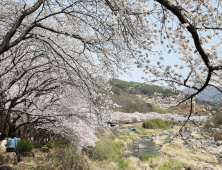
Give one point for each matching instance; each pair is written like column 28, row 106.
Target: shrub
column 158, row 124
column 50, row 144
column 149, row 105
column 154, row 124
column 25, row 146
column 116, row 90
column 40, row 144
column 37, row 145
column 109, row 150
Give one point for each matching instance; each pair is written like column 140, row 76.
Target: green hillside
column 131, row 103
column 120, row 85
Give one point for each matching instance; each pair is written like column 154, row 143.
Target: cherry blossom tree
column 49, row 46
column 38, row 91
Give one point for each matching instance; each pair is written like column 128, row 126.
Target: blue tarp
column 125, row 129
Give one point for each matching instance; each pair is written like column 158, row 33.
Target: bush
column 158, row 124
column 154, row 124
column 106, row 149
column 40, row 144
column 149, row 105
column 116, row 90
column 50, row 144
column 109, row 150
column 24, row 146
column 37, row 145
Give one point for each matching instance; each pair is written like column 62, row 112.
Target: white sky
column 169, row 59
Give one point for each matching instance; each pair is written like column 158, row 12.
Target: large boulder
column 8, row 157
column 219, row 143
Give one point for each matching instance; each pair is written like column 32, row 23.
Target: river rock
column 203, row 151
column 219, row 143
column 8, row 157
column 140, row 146
column 153, row 138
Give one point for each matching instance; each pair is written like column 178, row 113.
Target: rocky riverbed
column 170, row 145
column 199, row 152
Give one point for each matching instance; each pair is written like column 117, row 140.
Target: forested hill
column 131, row 103
column 120, row 85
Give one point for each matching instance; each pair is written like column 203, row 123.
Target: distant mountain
column 207, row 94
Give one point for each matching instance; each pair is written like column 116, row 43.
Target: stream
column 149, row 148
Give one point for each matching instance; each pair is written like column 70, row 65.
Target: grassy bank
column 158, row 124
column 108, row 150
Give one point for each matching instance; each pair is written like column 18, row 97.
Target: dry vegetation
column 178, row 150
column 130, row 103
column 60, row 158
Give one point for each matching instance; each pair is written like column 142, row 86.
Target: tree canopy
column 54, row 55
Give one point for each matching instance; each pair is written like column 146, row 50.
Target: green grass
column 173, row 164
column 123, row 163
column 158, row 124
column 154, row 124
column 148, row 157
column 159, row 110
column 167, row 139
column 109, row 150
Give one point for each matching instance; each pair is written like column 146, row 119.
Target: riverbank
column 195, row 158
column 110, row 150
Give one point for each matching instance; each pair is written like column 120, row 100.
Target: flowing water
column 149, row 148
